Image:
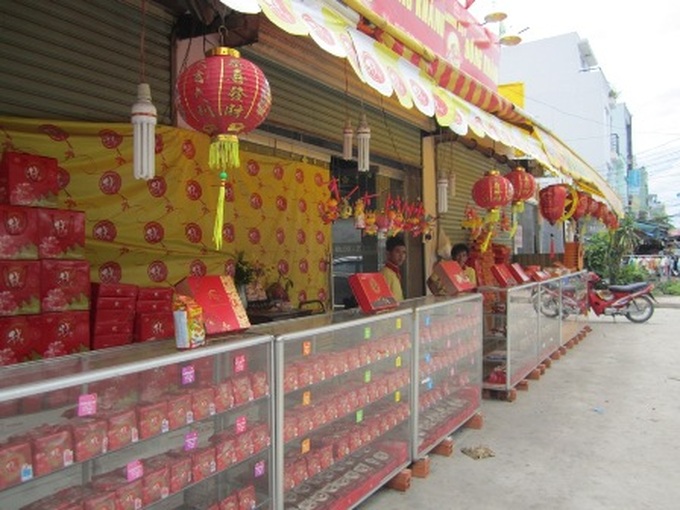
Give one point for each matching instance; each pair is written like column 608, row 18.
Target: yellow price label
column 367, row 332
column 306, row 398
column 397, row 396
column 360, row 416
column 398, row 322
column 397, row 361
column 367, row 376
column 305, row 445
column 306, row 348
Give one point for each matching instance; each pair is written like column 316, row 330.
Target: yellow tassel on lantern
column 224, row 152
column 219, row 213
column 517, row 208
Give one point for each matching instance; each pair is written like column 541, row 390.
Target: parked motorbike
column 634, row 301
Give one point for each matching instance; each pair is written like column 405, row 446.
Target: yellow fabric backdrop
column 157, row 232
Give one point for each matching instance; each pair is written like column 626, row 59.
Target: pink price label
column 87, row 404
column 259, row 469
column 188, row 374
column 240, row 363
column 134, row 470
column 241, row 424
column 190, row 440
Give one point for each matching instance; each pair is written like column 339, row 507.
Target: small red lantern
column 582, row 206
column 492, row 192
column 552, row 201
column 223, row 96
column 523, row 185
column 593, row 208
column 612, row 221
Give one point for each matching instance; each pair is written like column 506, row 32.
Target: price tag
column 397, row 361
column 360, row 416
column 190, row 440
column 448, row 343
column 188, row 374
column 397, row 396
column 306, row 398
column 306, row 348
column 87, row 404
column 240, row 363
column 430, row 383
column 259, row 469
column 428, row 320
column 428, row 357
column 452, row 372
column 241, row 424
column 367, row 376
column 398, row 323
column 305, row 445
column 134, row 470
column 367, row 332
column 26, row 472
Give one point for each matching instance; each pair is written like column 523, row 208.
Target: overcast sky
column 636, row 45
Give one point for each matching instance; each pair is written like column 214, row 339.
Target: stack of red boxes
column 113, row 314
column 44, row 283
column 154, row 319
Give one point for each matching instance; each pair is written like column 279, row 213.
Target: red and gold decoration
column 524, row 187
column 223, row 95
column 491, row 192
column 557, row 202
column 582, row 205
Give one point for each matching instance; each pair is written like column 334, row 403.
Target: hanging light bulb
column 347, row 140
column 143, row 134
column 442, row 193
column 363, row 144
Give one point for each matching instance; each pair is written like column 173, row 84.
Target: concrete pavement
column 599, row 430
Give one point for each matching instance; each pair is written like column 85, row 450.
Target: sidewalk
column 599, row 430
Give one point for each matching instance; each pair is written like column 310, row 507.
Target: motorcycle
column 634, row 301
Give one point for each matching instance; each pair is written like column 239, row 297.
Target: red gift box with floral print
column 18, row 232
column 61, row 234
column 18, row 337
column 19, row 287
column 65, row 285
column 62, row 333
column 28, row 179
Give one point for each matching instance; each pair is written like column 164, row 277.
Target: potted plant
column 244, row 273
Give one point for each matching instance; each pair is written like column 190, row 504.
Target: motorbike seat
column 631, row 287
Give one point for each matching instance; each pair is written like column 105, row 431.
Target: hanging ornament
column 143, row 134
column 363, row 144
column 557, row 202
column 347, row 140
column 524, row 187
column 442, row 194
column 223, row 95
column 491, row 192
column 582, row 205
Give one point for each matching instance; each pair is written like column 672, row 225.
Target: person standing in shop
column 460, row 253
column 396, row 256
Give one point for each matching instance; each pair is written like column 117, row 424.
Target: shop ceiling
column 201, row 17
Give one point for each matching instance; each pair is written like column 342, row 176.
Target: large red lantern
column 551, row 202
column 582, row 206
column 223, row 96
column 492, row 192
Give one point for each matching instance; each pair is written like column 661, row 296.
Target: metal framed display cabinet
column 343, row 390
column 143, row 426
column 447, row 377
column 511, row 335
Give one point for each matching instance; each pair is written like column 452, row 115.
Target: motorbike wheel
column 640, row 309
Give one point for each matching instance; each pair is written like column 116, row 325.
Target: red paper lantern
column 223, row 96
column 551, row 202
column 582, row 206
column 492, row 191
column 593, row 208
column 523, row 184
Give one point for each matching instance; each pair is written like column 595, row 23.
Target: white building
column 567, row 92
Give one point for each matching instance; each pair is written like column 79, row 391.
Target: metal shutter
column 76, row 60
column 468, row 166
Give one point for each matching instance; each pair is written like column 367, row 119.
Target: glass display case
column 574, row 312
column 343, row 389
column 142, row 426
column 447, row 377
column 511, row 335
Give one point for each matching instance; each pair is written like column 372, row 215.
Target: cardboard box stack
column 44, row 281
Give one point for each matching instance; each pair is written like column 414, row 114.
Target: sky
column 637, row 49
